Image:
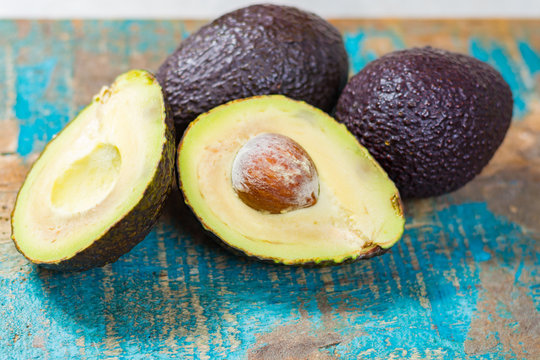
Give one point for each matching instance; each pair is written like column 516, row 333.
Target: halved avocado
column 98, row 187
column 348, row 207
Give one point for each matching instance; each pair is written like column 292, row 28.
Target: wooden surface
column 462, row 283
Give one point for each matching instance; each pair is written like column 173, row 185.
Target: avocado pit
column 273, row 173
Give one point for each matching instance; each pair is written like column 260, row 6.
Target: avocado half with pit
column 281, row 180
column 98, row 187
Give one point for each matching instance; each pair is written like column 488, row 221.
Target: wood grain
column 462, row 283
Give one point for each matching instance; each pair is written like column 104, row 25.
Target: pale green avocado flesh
column 94, row 173
column 358, row 209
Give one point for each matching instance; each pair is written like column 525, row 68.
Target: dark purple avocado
column 256, row 50
column 431, row 118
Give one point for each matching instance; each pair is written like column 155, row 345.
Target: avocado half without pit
column 281, row 180
column 98, row 187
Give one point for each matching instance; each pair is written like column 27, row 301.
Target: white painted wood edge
column 193, row 9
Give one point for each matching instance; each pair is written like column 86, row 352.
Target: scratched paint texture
column 462, row 283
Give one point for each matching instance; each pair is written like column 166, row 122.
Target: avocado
column 256, row 50
column 432, row 118
column 280, row 180
column 99, row 185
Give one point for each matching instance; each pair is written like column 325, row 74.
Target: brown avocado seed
column 273, row 173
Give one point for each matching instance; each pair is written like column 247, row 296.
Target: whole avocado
column 432, row 118
column 100, row 190
column 256, row 50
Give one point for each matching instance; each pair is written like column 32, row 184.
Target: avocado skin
column 134, row 226
column 257, row 50
column 431, row 118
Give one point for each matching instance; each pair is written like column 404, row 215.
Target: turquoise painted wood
column 462, row 283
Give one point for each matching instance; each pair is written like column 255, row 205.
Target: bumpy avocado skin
column 134, row 226
column 257, row 50
column 431, row 118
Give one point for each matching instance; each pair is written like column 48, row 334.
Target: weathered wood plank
column 463, row 282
